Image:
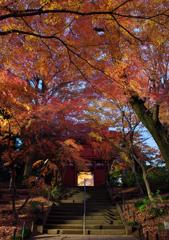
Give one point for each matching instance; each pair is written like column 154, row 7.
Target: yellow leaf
column 96, row 136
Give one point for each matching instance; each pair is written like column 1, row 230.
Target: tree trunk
column 137, row 180
column 148, row 189
column 27, row 168
column 13, row 189
column 133, row 158
column 154, row 126
column 150, row 196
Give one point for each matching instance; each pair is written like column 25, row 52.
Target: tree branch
column 41, row 11
column 126, row 30
column 121, row 5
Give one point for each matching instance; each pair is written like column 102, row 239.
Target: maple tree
column 27, row 115
column 52, row 40
column 57, row 58
column 38, row 144
column 124, row 147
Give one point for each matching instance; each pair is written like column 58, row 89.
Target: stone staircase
column 102, row 217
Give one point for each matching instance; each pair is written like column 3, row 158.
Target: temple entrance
column 88, row 177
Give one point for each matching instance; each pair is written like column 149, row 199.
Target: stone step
column 81, row 193
column 99, row 194
column 89, row 211
column 87, row 194
column 18, row 190
column 88, row 217
column 105, row 203
column 67, row 211
column 98, row 200
column 68, row 205
column 103, row 221
column 88, row 231
column 63, row 231
column 79, row 226
column 99, row 204
column 77, row 213
column 54, row 219
column 105, row 231
column 80, row 221
column 102, row 217
column 5, row 201
column 78, row 207
column 86, row 237
column 87, row 197
column 91, row 201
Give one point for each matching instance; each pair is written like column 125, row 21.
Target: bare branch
column 121, row 5
column 126, row 30
column 41, row 11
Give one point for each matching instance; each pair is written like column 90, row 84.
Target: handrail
column 84, row 208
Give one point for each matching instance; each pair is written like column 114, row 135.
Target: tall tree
column 93, row 43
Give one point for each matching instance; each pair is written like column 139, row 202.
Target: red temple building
column 95, row 175
column 96, row 169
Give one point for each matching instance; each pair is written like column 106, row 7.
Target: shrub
column 142, row 204
column 165, row 197
column 159, row 179
column 157, row 212
column 54, row 193
column 133, row 224
column 26, row 234
column 129, row 179
column 115, row 178
column 151, row 207
column 17, row 238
